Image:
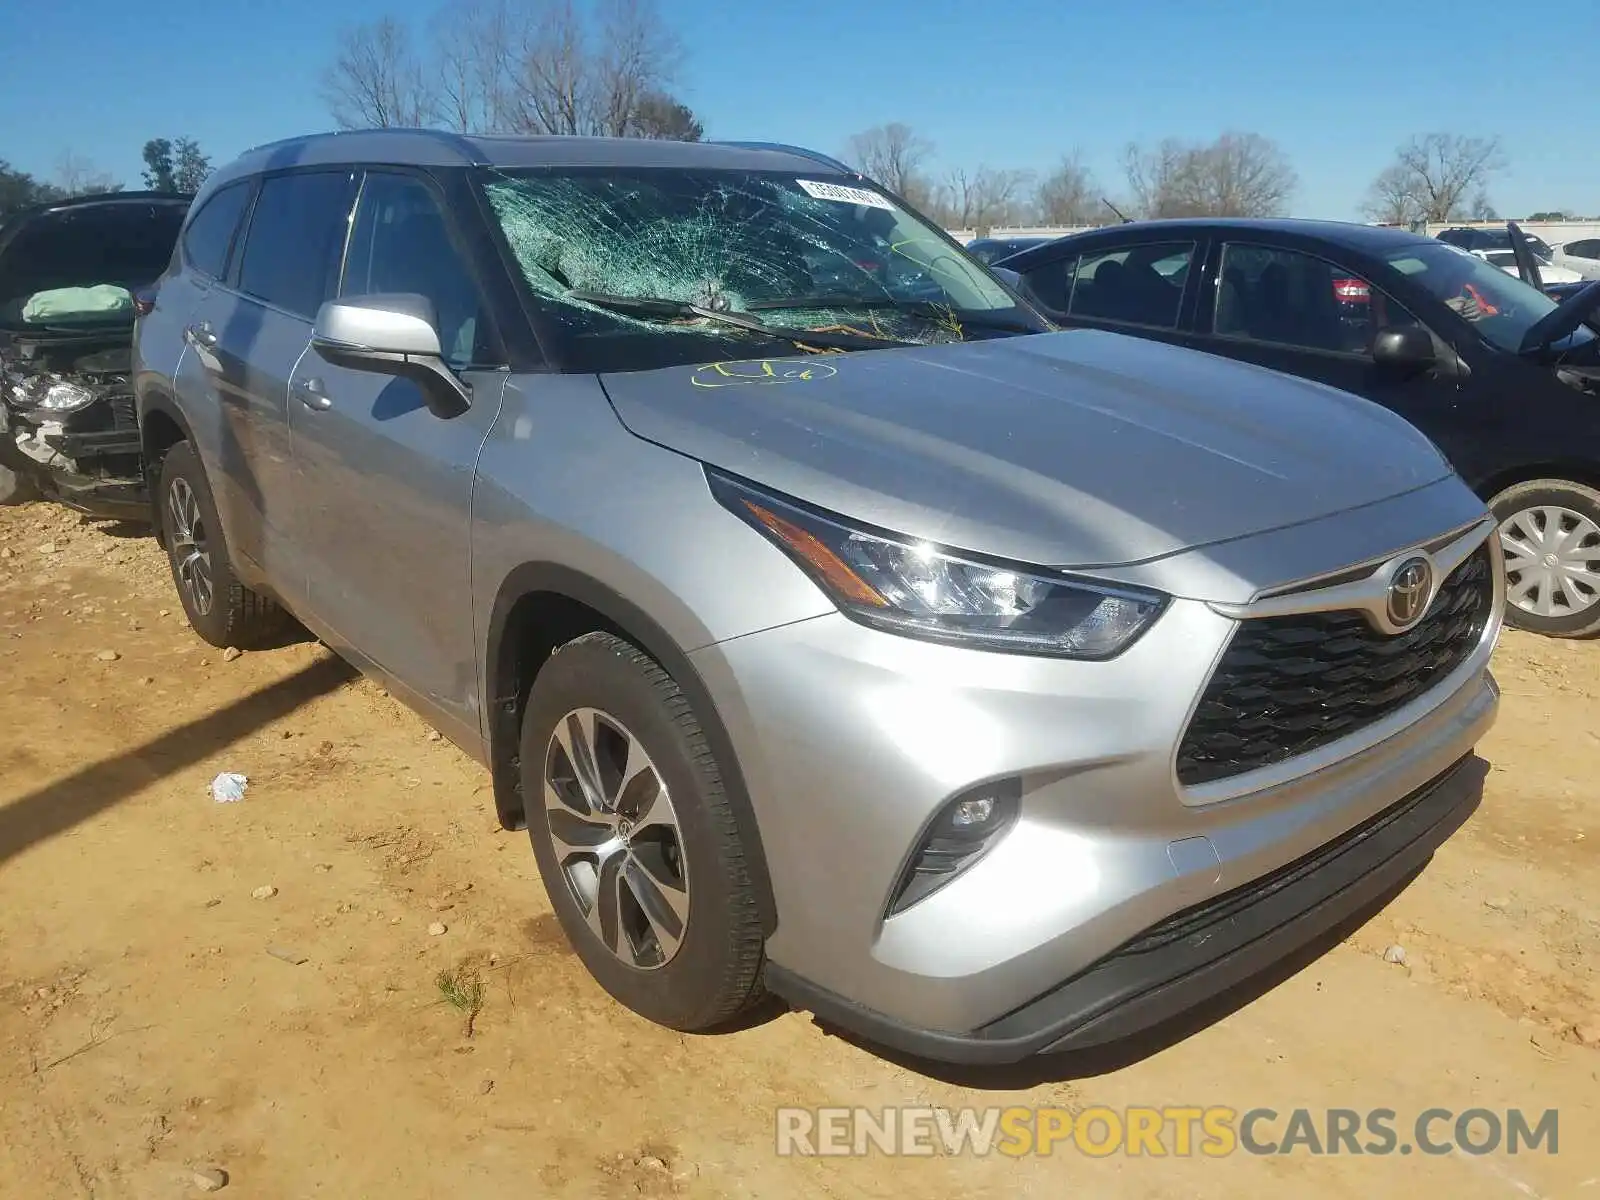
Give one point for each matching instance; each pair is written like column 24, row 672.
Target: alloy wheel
column 1552, row 561
column 191, row 549
column 616, row 838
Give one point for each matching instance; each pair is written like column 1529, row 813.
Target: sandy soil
column 153, row 1018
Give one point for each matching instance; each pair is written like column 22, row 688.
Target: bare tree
column 983, row 198
column 1390, row 200
column 77, row 176
column 1068, row 195
column 376, row 81
column 639, row 56
column 574, row 80
column 478, row 46
column 1442, row 176
column 892, row 155
column 1238, row 175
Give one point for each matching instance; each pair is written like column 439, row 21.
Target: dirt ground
column 159, row 1013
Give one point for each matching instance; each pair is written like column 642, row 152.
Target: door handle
column 309, row 392
column 202, row 335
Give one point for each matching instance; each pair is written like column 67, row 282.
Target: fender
column 506, row 690
column 156, row 400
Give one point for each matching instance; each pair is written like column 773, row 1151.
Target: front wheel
column 636, row 842
column 1550, row 532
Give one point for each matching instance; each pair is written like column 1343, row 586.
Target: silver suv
column 984, row 689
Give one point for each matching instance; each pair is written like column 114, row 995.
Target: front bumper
column 851, row 740
column 79, row 462
column 1196, row 954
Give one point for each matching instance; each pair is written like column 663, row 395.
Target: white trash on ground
column 228, row 787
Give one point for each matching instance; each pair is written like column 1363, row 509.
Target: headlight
column 911, row 588
column 50, row 394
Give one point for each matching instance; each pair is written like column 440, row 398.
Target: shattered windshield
column 778, row 254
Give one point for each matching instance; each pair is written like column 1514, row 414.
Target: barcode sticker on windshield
column 842, row 194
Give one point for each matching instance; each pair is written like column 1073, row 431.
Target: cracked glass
column 805, row 254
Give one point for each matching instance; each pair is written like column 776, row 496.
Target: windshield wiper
column 654, row 306
column 922, row 308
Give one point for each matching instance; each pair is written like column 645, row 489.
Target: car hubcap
column 616, row 838
column 1552, row 561
column 191, row 549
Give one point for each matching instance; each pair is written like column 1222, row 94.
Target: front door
column 385, row 485
column 1306, row 315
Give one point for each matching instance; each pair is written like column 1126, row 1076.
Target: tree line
column 178, row 165
column 515, row 66
column 1432, row 177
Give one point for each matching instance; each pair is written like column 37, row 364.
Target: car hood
column 1075, row 449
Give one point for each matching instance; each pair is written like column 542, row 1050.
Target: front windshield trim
column 598, row 253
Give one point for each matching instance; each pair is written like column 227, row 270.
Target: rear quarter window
column 210, row 233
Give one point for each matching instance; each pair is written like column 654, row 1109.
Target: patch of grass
column 463, row 989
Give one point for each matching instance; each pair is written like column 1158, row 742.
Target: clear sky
column 1013, row 84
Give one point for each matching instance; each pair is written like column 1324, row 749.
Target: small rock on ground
column 231, row 653
column 108, row 656
column 1588, row 1032
column 1396, row 955
column 285, row 954
column 438, row 928
column 265, row 892
column 210, row 1179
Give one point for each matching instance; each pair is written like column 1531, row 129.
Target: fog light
column 972, row 812
column 957, row 837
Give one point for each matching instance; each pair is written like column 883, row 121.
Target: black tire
column 15, row 488
column 715, row 973
column 236, row 616
column 1579, row 500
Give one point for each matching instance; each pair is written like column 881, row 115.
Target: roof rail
column 803, row 152
column 458, row 142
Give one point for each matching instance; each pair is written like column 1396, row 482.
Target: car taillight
column 1353, row 290
column 144, row 300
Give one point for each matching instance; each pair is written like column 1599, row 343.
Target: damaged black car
column 71, row 275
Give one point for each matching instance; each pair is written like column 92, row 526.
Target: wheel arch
column 161, row 426
column 1573, row 471
column 540, row 606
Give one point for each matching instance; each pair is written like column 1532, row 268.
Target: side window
column 1589, row 248
column 1293, row 299
column 210, row 233
column 291, row 252
column 1133, row 285
column 400, row 242
column 1051, row 283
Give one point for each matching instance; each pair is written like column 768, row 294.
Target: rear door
column 252, row 338
column 1307, row 314
column 1142, row 286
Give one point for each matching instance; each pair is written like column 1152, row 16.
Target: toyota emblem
column 1409, row 589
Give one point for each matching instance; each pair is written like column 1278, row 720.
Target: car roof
column 441, row 148
column 1372, row 239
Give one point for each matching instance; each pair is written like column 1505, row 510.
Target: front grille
column 1289, row 685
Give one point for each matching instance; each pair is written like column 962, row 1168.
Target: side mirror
column 393, row 334
column 1405, row 350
